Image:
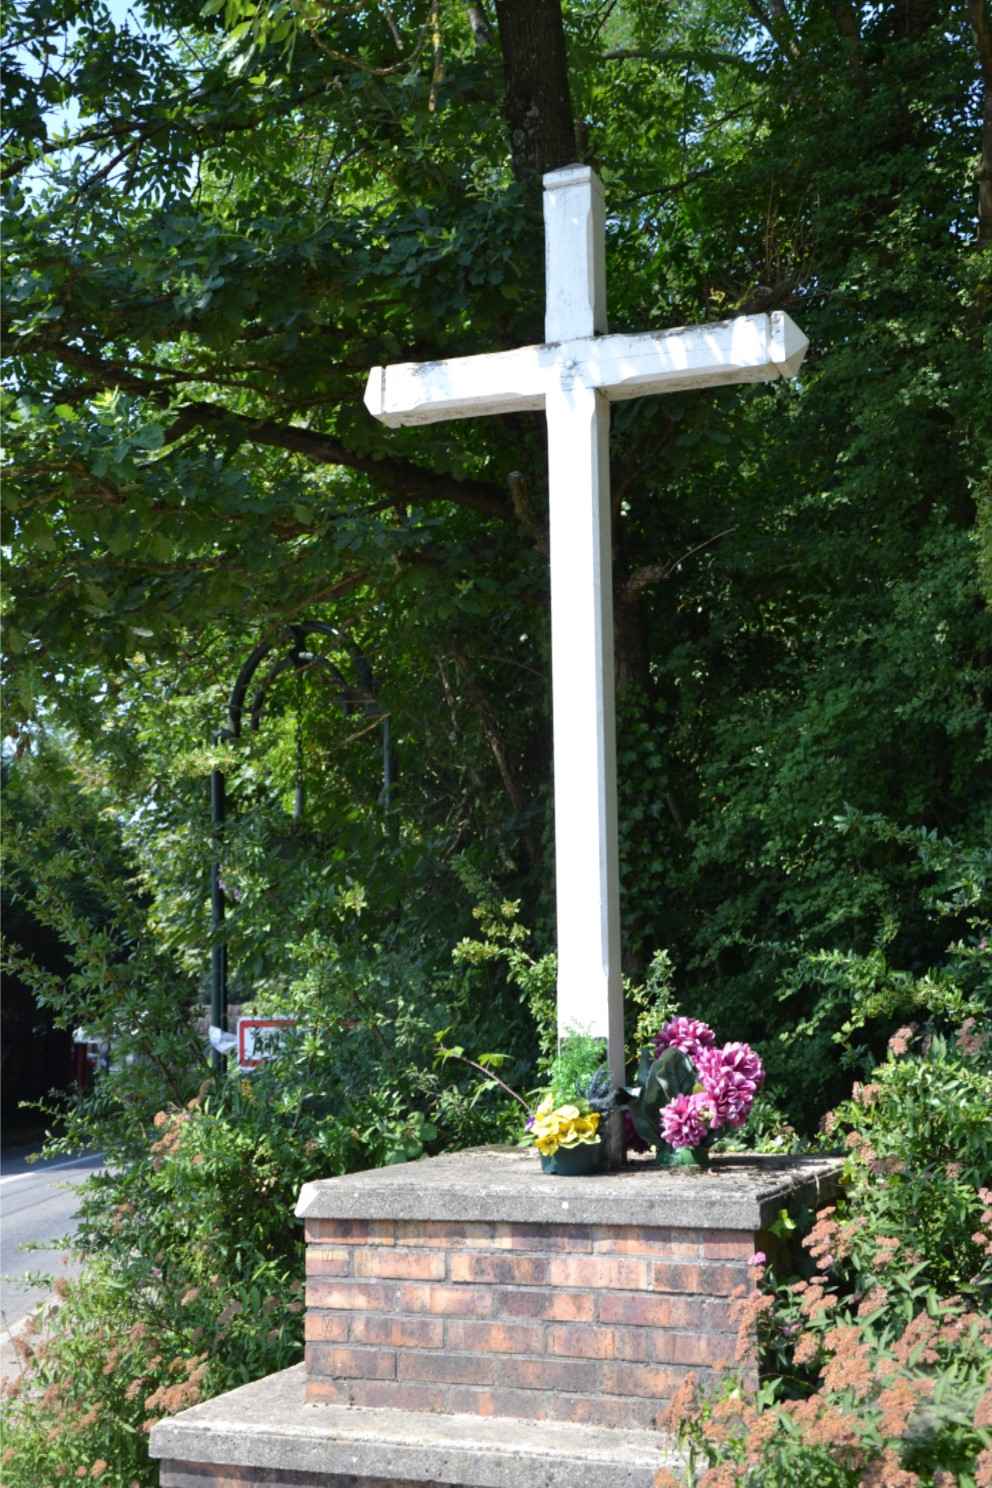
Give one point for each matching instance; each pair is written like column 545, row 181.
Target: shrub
column 874, row 1364
column 124, row 1346
column 192, row 1257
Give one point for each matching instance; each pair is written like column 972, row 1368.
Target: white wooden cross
column 574, row 377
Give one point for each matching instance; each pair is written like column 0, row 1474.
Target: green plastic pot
column 574, row 1162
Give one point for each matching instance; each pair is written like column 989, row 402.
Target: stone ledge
column 505, row 1184
column 267, row 1426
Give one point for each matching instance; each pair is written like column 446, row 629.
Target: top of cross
column 574, row 254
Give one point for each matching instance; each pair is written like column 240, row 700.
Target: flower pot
column 682, row 1157
column 574, row 1162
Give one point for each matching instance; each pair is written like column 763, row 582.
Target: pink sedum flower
column 683, row 1121
column 687, row 1034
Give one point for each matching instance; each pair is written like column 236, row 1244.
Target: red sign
column 252, row 1049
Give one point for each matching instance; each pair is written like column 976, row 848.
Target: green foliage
column 643, row 812
column 504, row 945
column 191, row 1285
column 901, row 1397
column 829, row 995
column 659, row 1080
column 767, row 1129
column 800, row 613
column 921, row 1122
column 651, row 1004
column 575, row 1068
column 64, row 859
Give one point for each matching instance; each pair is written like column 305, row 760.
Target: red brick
column 578, row 1376
column 599, row 1273
column 647, row 1310
column 397, row 1332
column 389, row 1394
column 537, row 1405
column 353, row 1295
column 442, row 1301
column 570, row 1307
column 401, row 1263
column 522, row 1405
column 600, row 1343
column 719, row 1317
column 633, row 1344
column 347, row 1363
column 447, row 1369
column 494, row 1338
column 715, row 1279
column 505, row 1270
column 581, row 1343
column 327, row 1392
column 443, row 1233
column 671, row 1347
column 533, row 1237
column 634, row 1411
column 350, row 1231
column 524, row 1302
column 326, row 1327
column 469, row 1402
column 322, row 1261
column 728, row 1245
column 639, row 1379
column 657, row 1242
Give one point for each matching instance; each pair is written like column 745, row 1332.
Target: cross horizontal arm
column 465, row 387
column 751, row 348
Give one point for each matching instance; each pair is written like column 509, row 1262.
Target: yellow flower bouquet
column 567, row 1126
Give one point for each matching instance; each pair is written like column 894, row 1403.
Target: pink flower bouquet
column 689, row 1089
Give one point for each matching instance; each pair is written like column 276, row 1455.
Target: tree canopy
column 220, row 216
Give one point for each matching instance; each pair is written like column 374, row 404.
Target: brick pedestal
column 587, row 1300
column 472, row 1290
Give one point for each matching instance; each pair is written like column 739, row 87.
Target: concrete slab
column 505, row 1184
column 267, row 1427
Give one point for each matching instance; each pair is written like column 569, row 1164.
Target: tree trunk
column 631, row 648
column 981, row 24
column 537, row 104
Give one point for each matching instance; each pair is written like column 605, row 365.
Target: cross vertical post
column 590, row 992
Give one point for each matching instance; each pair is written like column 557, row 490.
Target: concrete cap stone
column 506, row 1185
column 268, row 1426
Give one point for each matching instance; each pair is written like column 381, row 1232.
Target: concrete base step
column 265, row 1434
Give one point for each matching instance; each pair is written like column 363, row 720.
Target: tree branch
column 482, row 32
column 656, row 573
column 525, row 512
column 408, row 482
column 487, row 718
column 142, row 130
column 401, row 478
column 705, row 59
column 776, row 9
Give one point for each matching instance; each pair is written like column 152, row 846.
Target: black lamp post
column 290, row 654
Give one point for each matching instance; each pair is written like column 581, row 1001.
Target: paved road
column 37, row 1203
